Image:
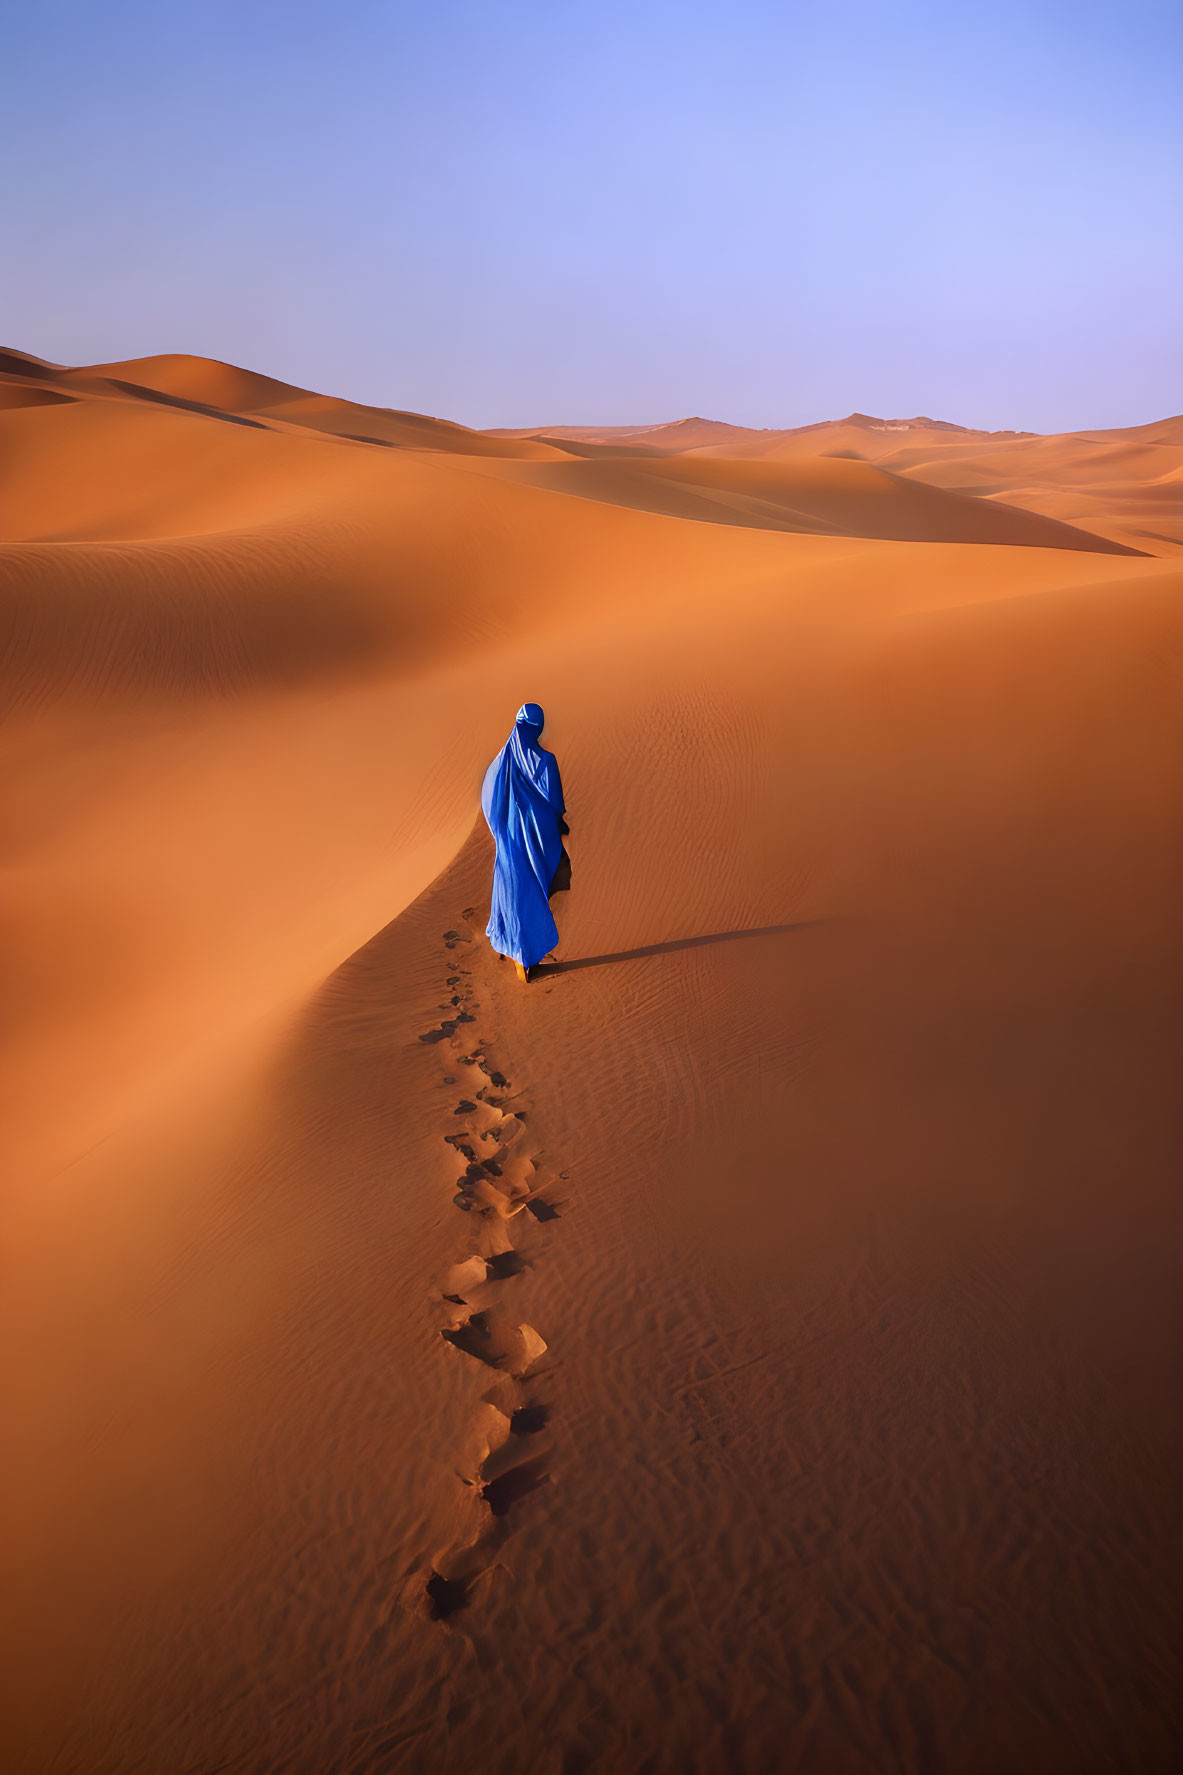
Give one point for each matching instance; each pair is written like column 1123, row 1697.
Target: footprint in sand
column 497, row 1341
column 507, row 1464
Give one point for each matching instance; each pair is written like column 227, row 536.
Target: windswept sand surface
column 754, row 1345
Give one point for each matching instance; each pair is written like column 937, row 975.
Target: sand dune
column 876, row 436
column 217, row 390
column 30, row 394
column 195, row 379
column 812, row 494
column 23, row 363
column 1107, row 471
column 863, row 436
column 1101, row 480
column 752, row 1345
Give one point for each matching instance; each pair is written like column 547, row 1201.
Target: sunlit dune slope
column 130, row 468
column 1110, row 483
column 1119, row 483
column 1139, row 453
column 859, row 435
column 811, row 494
column 240, row 396
column 875, row 437
column 750, row 1345
column 99, row 469
column 194, row 379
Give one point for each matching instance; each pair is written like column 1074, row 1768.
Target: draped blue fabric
column 522, row 799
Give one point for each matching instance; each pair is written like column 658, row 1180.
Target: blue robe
column 522, row 800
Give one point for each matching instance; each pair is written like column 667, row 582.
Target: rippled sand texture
column 751, row 1346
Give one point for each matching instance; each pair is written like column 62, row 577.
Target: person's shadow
column 599, row 961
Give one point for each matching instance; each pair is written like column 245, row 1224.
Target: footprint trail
column 508, row 1457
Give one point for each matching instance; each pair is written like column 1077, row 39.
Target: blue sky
column 527, row 211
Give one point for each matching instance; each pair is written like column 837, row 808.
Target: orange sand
column 809, row 1398
column 1120, row 484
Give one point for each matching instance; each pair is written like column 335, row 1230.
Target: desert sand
column 1123, row 484
column 753, row 1345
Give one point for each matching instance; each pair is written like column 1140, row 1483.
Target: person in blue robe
column 522, row 800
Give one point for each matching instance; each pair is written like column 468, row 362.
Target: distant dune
column 753, row 1344
column 222, row 390
column 818, row 495
column 1106, row 482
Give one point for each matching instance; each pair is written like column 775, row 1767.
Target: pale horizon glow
column 519, row 214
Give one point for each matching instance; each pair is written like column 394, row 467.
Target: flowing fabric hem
column 504, row 945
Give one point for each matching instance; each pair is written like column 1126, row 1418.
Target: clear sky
column 520, row 211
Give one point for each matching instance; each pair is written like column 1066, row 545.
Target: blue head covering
column 522, row 800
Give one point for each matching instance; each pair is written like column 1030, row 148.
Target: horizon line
column 606, row 425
